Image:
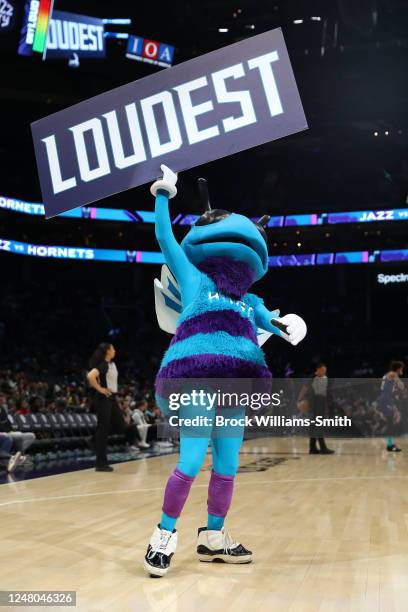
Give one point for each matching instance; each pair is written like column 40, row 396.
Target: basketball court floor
column 328, row 533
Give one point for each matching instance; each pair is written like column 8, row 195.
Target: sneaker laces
column 161, row 545
column 229, row 542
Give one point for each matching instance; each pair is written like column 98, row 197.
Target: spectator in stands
column 24, row 407
column 6, row 442
column 132, row 435
column 5, row 445
column 159, row 430
column 141, row 423
column 21, row 440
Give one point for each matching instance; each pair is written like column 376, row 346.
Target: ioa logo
column 150, row 51
column 6, row 14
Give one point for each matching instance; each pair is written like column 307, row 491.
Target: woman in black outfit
column 103, row 378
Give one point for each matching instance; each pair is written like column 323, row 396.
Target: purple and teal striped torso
column 215, row 338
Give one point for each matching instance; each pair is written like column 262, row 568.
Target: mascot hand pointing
column 168, row 182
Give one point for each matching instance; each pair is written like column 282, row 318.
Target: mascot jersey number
column 203, row 298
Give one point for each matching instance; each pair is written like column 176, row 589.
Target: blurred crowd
column 21, row 393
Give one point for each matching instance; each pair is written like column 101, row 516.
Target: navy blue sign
column 69, row 33
column 215, row 105
column 31, row 9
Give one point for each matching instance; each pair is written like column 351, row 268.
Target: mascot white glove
column 168, row 182
column 295, row 328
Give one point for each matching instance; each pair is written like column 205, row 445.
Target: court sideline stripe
column 237, row 484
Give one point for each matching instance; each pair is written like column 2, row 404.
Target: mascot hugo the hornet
column 203, row 299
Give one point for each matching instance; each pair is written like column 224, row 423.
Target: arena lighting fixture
column 123, row 35
column 116, row 35
column 297, row 21
column 375, row 133
column 316, row 18
column 223, row 29
column 117, row 21
column 386, row 133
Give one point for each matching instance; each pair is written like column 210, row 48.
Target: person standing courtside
column 392, row 390
column 315, row 392
column 103, row 378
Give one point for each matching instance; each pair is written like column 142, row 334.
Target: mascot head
column 228, row 247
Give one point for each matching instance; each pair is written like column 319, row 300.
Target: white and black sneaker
column 15, row 461
column 162, row 547
column 220, row 546
column 393, row 449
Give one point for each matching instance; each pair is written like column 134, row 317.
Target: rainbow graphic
column 44, row 14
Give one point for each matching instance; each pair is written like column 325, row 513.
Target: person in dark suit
column 315, row 393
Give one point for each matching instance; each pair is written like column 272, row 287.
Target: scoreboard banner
column 157, row 257
column 212, row 106
column 147, row 216
column 69, row 33
column 60, row 35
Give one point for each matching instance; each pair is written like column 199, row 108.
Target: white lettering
column 73, row 34
column 165, row 55
column 83, row 36
column 62, row 34
column 242, row 97
column 93, row 41
column 151, row 49
column 58, row 183
column 166, row 100
column 52, row 42
column 99, row 32
column 94, row 126
column 190, row 112
column 385, row 279
column 263, row 62
column 139, row 154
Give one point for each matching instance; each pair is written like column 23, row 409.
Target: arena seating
column 58, row 431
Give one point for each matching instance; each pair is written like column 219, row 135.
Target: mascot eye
column 212, row 216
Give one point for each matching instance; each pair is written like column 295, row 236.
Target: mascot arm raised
column 185, row 272
column 295, row 326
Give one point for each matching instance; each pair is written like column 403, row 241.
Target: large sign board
column 212, row 106
column 62, row 35
column 69, row 33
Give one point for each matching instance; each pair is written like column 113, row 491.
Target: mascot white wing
column 262, row 335
column 167, row 299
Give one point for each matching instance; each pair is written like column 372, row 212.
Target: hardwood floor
column 327, row 532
